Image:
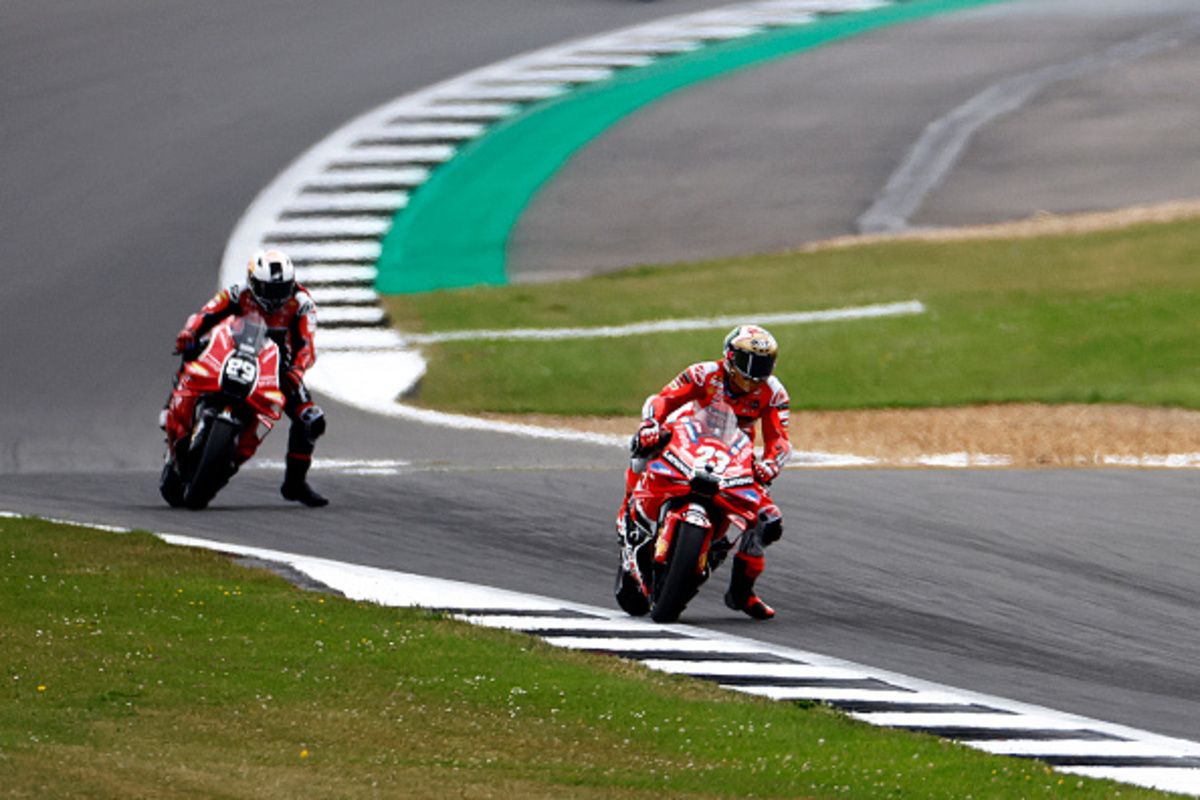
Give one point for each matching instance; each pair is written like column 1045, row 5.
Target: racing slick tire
column 683, row 573
column 213, row 464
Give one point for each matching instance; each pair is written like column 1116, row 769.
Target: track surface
column 136, row 135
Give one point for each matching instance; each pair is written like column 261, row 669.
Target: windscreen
column 249, row 333
column 719, row 421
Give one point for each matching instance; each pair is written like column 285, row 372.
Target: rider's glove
column 765, row 471
column 292, row 379
column 649, row 435
column 185, row 341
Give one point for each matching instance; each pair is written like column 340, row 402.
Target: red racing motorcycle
column 696, row 495
column 226, row 400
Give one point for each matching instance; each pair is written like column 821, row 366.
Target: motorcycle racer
column 291, row 317
column 743, row 379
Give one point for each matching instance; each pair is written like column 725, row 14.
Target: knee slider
column 313, row 420
column 772, row 531
column 770, row 523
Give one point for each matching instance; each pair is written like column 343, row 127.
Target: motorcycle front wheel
column 683, row 574
column 214, row 463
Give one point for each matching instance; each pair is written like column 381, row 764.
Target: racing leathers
column 765, row 404
column 292, row 326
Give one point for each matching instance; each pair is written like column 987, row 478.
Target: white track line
column 670, row 325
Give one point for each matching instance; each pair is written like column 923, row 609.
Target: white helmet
column 272, row 278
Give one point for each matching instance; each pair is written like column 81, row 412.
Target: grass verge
column 1100, row 317
column 135, row 669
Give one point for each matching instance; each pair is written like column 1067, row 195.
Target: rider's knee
column 766, row 530
column 770, row 523
column 772, row 531
column 312, row 420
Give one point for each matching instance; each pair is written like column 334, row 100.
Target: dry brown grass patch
column 1027, row 435
column 1040, row 224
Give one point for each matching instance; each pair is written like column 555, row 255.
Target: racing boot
column 625, row 525
column 626, row 531
column 741, row 596
column 295, row 487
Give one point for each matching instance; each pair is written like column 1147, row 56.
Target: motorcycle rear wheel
column 683, row 575
column 214, row 463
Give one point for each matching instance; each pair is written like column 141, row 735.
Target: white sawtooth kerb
column 335, row 295
column 1096, row 737
column 336, row 273
column 1023, row 725
column 329, row 226
column 390, row 202
column 400, row 153
column 403, row 176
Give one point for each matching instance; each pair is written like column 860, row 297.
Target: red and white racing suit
column 708, row 382
column 293, row 327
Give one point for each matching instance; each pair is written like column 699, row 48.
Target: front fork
column 692, row 513
column 179, row 447
column 643, row 553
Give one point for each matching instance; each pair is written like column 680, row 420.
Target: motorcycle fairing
column 238, row 337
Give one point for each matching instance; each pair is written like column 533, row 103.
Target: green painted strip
column 455, row 228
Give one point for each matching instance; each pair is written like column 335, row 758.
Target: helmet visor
column 273, row 291
column 755, row 366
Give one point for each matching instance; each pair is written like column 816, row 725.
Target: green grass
column 1097, row 318
column 130, row 668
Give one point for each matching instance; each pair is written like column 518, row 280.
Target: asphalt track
column 134, row 135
